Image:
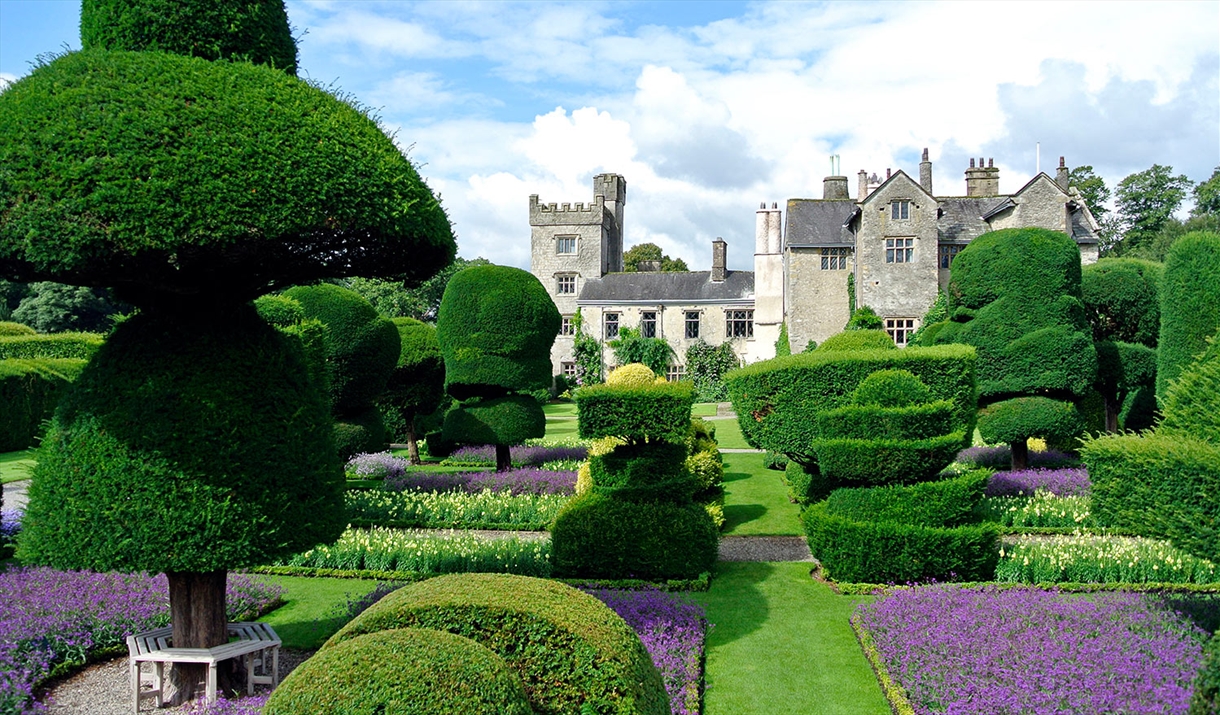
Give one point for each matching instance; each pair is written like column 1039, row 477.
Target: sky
column 710, row 108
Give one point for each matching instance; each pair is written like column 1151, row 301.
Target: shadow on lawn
column 735, row 603
column 737, row 514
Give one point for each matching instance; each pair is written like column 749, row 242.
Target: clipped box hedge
column 654, row 471
column 890, row 552
column 405, row 671
column 949, row 502
column 573, row 654
column 931, row 419
column 1159, row 485
column 29, row 391
column 659, row 411
column 511, row 419
column 885, row 461
column 776, row 400
column 80, row 346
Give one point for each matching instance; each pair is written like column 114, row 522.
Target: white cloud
column 6, row 79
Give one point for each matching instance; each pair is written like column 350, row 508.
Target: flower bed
column 962, row 651
column 457, row 510
column 1070, row 482
column 526, row 480
column 1043, row 509
column 522, row 456
column 1085, row 558
column 1001, row 458
column 50, row 617
column 379, row 549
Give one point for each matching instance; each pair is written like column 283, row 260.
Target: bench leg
column 133, row 668
column 275, row 667
column 159, row 684
column 211, row 693
column 249, row 674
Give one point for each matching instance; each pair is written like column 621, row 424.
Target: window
column 947, row 253
column 611, row 326
column 900, row 210
column 739, row 323
column 673, row 373
column 900, row 329
column 568, row 369
column 898, row 250
column 834, row 259
column 565, row 285
column 566, row 326
column 648, row 324
column 565, row 244
column 692, row 324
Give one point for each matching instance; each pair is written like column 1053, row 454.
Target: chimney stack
column 925, row 172
column 983, row 180
column 720, row 254
column 862, row 190
column 834, row 188
column 1063, row 177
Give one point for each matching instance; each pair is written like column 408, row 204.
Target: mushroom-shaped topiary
column 495, row 326
column 417, row 385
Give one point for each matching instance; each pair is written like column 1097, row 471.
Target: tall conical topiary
column 495, row 327
column 191, row 187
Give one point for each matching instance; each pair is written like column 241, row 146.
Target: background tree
column 56, row 308
column 1146, row 201
column 417, row 383
column 651, row 252
column 394, row 299
column 632, row 347
column 496, row 326
column 1015, row 295
column 1207, row 196
column 199, row 198
column 362, row 349
column 1097, row 195
column 10, row 297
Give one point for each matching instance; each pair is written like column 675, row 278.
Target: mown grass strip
column 15, row 466
column 756, row 500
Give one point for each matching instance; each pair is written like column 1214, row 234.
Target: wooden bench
column 251, row 641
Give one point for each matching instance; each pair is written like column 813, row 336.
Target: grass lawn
column 307, row 619
column 782, row 644
column 755, row 500
column 703, row 409
column 728, row 434
column 559, row 409
column 15, row 466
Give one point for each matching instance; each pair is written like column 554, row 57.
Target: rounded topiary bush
column 188, row 443
column 10, row 328
column 1012, row 420
column 280, row 310
column 891, row 388
column 634, row 375
column 496, row 325
column 503, row 420
column 1121, row 296
column 361, row 346
column 222, row 179
column 857, row 340
column 256, row 31
column 598, row 536
column 573, row 654
column 360, row 431
column 404, row 671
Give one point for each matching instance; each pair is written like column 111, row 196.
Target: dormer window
column 900, row 209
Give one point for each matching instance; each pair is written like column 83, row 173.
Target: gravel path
column 14, row 494
column 764, row 548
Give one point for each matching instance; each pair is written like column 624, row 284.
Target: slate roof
column 692, row 287
column 1081, row 230
column 814, row 222
column 961, row 216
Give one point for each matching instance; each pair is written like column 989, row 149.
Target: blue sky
column 708, row 108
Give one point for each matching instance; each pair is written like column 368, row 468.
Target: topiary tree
column 1015, row 295
column 400, row 671
column 573, row 654
column 417, row 385
column 1190, row 304
column 191, row 187
column 361, row 350
column 495, row 327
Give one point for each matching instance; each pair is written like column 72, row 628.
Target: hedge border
column 701, row 583
column 894, row 693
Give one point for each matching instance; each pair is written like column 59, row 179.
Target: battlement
column 554, row 214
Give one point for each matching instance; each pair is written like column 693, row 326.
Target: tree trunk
column 1112, row 407
column 1020, row 455
column 197, row 614
column 504, row 459
column 412, row 443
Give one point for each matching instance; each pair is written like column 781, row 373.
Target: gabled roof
column 654, row 288
column 894, row 177
column 819, row 222
column 962, row 217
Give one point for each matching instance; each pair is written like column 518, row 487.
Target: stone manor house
column 895, row 239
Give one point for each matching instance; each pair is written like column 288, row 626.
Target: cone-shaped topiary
column 573, row 653
column 1190, row 304
column 172, row 179
column 404, row 671
column 495, row 327
column 252, row 30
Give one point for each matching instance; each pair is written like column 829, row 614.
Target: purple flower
column 10, row 524
column 514, row 481
column 49, row 616
column 1060, row 482
column 523, row 455
column 252, row 705
column 962, row 651
column 1000, row 457
column 673, row 631
column 379, row 465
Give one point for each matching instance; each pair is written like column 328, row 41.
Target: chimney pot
column 762, row 206
column 1062, row 165
column 971, row 162
column 990, row 163
column 925, row 153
